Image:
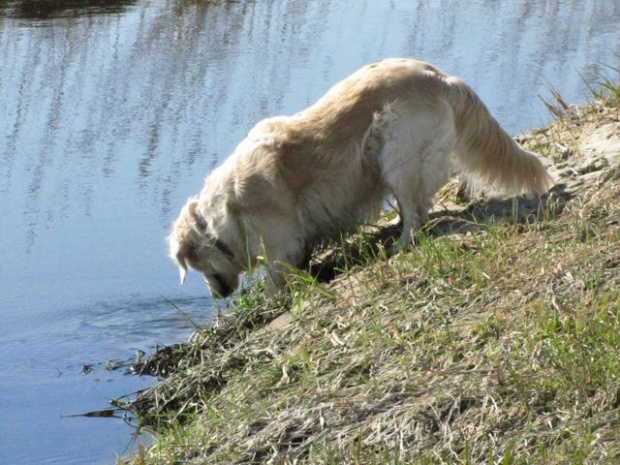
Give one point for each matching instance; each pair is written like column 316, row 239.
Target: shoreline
column 495, row 339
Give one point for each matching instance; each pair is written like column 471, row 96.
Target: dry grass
column 496, row 339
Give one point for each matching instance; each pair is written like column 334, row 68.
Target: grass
column 496, row 339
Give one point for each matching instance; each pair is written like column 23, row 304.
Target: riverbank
column 496, row 339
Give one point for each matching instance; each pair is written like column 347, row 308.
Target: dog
column 388, row 129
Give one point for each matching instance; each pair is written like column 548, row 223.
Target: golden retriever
column 388, row 129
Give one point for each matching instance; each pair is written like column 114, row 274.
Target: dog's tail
column 486, row 152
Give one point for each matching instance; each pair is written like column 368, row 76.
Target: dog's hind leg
column 415, row 161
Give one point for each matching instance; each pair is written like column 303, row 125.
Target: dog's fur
column 389, row 128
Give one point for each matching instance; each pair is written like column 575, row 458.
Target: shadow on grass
column 375, row 241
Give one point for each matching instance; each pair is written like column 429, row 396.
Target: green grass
column 495, row 339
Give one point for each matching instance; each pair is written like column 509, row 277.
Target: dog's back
column 390, row 127
column 329, row 153
column 348, row 109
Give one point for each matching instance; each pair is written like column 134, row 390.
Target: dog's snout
column 220, row 286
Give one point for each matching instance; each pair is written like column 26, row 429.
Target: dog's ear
column 178, row 252
column 180, row 259
column 181, row 246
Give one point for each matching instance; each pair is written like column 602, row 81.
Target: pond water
column 111, row 114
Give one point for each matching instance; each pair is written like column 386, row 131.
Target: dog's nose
column 220, row 289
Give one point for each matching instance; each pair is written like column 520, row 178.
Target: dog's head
column 193, row 244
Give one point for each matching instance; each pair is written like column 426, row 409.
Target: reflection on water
column 109, row 121
column 47, row 9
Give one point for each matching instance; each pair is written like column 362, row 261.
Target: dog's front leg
column 281, row 269
column 276, row 279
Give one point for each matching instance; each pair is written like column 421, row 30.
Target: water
column 112, row 113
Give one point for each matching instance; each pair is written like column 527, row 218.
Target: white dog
column 389, row 128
